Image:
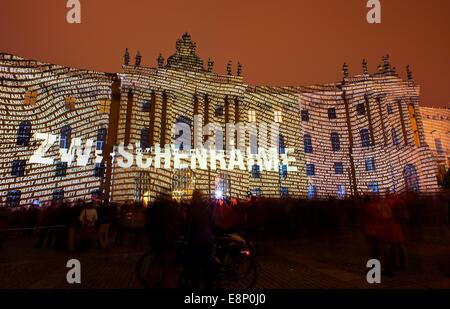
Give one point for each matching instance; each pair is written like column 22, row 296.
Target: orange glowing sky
column 282, row 42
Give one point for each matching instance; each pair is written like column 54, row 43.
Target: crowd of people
column 84, row 225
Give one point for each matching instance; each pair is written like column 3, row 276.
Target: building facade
column 363, row 134
column 50, row 99
column 436, row 123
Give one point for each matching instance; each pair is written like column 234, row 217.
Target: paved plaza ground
column 331, row 261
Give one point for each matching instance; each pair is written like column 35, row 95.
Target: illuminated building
column 363, row 134
column 436, row 123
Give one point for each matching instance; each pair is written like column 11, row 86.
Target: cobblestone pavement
column 281, row 265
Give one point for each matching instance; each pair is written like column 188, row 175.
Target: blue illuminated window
column 146, row 106
column 370, row 164
column 284, row 192
column 389, row 109
column 255, row 171
column 58, row 195
column 312, row 192
column 101, row 138
column 13, row 198
column 335, row 141
column 281, row 145
column 332, row 113
column 395, row 140
column 256, row 192
column 65, row 136
column 338, row 168
column 23, row 134
column 341, row 191
column 18, row 168
column 99, row 169
column 307, row 141
column 283, row 171
column 61, row 169
column 373, row 187
column 310, row 169
column 305, row 115
column 365, row 137
column 360, row 109
column 145, row 142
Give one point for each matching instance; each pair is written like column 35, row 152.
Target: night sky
column 282, row 42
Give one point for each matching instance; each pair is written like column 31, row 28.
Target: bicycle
column 233, row 264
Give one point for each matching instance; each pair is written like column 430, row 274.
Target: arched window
column 24, row 133
column 65, row 136
column 335, row 141
column 145, row 133
column 411, row 178
column 101, row 138
column 365, row 137
column 281, row 145
column 307, row 141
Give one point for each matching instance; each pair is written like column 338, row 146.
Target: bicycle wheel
column 246, row 271
column 149, row 270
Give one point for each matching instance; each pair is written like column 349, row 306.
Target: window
column 23, row 134
column 439, row 148
column 99, row 169
column 255, row 171
column 58, row 195
column 256, row 192
column 284, row 192
column 411, row 178
column 184, row 119
column 278, row 117
column 360, row 109
column 341, row 191
column 283, row 171
column 64, row 138
column 389, row 109
column 218, row 111
column 70, row 103
column 18, row 168
column 251, row 116
column 335, row 142
column 101, row 138
column 312, row 192
column 61, row 169
column 13, row 198
column 310, row 169
column 370, row 164
column 365, row 138
column 307, row 143
column 395, row 140
column 373, row 187
column 30, row 98
column 281, row 145
column 305, row 115
column 105, row 106
column 146, row 106
column 338, row 168
column 145, row 133
column 332, row 113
